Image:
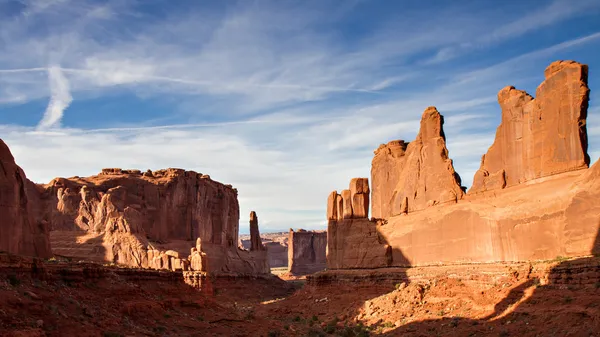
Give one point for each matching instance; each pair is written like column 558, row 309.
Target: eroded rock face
column 20, row 231
column 307, row 251
column 411, row 177
column 539, row 137
column 353, row 203
column 545, row 218
column 136, row 219
column 255, row 241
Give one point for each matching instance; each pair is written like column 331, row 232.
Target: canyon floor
column 62, row 298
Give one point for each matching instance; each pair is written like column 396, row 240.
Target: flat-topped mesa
column 408, row 177
column 539, row 137
column 352, row 203
column 132, row 218
column 20, row 231
column 255, row 240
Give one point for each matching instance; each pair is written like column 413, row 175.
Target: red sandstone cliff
column 556, row 213
column 20, row 231
column 542, row 136
column 411, row 177
column 151, row 219
column 307, row 251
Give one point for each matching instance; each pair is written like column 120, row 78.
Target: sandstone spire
column 407, row 177
column 255, row 241
column 542, row 136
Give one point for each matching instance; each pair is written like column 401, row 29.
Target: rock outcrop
column 539, row 137
column 151, row 220
column 307, row 252
column 541, row 142
column 255, row 240
column 353, row 203
column 20, row 231
column 408, row 177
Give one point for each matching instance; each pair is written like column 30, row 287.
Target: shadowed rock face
column 20, row 232
column 541, row 142
column 539, row 137
column 255, row 241
column 306, row 252
column 155, row 219
column 411, row 177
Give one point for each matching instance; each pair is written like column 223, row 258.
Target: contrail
column 202, row 83
column 24, row 70
column 60, row 98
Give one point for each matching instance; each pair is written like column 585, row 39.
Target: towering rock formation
column 352, row 240
column 306, row 251
column 411, row 177
column 255, row 241
column 149, row 219
column 542, row 136
column 545, row 218
column 20, row 231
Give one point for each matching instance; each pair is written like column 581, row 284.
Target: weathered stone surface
column 347, row 204
column 332, row 211
column 387, row 165
column 411, row 177
column 255, row 241
column 20, row 231
column 359, row 189
column 542, row 136
column 557, row 214
column 340, row 206
column 307, row 251
column 557, row 217
column 118, row 214
column 355, row 243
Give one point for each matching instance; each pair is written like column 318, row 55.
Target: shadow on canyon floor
column 564, row 302
column 539, row 298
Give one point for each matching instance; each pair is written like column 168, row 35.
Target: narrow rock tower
column 255, row 241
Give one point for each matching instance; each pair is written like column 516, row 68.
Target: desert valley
column 408, row 251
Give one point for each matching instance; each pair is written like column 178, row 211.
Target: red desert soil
column 560, row 298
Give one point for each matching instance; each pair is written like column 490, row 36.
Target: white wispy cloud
column 271, row 97
column 60, row 98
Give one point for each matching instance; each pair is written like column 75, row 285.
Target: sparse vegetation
column 560, row 258
column 388, row 325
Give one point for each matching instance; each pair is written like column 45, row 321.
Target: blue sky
column 286, row 100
